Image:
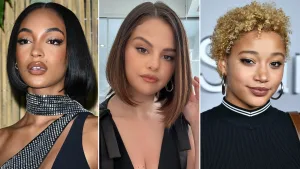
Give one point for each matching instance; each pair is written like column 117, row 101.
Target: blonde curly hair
column 238, row 21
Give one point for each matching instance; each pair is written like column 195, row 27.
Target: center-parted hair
column 172, row 102
column 253, row 17
column 80, row 77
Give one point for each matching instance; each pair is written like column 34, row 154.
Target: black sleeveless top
column 71, row 154
column 170, row 148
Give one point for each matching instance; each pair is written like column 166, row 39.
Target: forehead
column 265, row 42
column 43, row 18
column 155, row 29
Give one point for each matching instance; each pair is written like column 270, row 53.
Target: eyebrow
column 47, row 30
column 256, row 53
column 150, row 44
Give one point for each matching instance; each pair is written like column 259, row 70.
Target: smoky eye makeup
column 141, row 50
column 276, row 64
column 247, row 61
column 55, row 41
column 23, row 41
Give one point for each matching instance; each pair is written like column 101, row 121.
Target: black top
column 230, row 139
column 71, row 154
column 169, row 155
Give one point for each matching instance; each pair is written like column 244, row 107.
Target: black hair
column 80, row 77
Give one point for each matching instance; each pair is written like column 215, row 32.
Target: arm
column 193, row 154
column 192, row 114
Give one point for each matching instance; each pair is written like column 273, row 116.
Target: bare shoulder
column 91, row 126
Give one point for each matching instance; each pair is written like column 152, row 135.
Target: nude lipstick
column 37, row 68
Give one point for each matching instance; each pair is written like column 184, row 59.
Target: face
column 254, row 69
column 150, row 56
column 41, row 52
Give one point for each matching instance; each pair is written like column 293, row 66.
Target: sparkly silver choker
column 33, row 154
column 52, row 105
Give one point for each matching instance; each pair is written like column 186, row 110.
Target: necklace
column 33, row 154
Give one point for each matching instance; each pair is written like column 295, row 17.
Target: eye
column 23, row 41
column 142, row 50
column 276, row 64
column 55, row 41
column 247, row 61
column 169, row 58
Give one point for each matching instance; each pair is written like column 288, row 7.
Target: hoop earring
column 280, row 92
column 223, row 84
column 169, row 90
column 16, row 66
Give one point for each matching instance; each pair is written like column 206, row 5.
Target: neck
column 46, row 91
column 146, row 105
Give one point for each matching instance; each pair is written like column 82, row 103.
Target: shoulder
column 90, row 129
column 211, row 113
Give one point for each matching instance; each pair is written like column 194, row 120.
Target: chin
column 257, row 101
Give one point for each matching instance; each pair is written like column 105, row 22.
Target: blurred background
column 112, row 14
column 12, row 109
column 210, row 81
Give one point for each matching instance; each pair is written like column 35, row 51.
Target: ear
column 222, row 66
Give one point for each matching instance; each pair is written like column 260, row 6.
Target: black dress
column 71, row 154
column 170, row 148
column 235, row 138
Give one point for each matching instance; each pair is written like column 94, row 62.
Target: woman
column 45, row 63
column 142, row 125
column 250, row 45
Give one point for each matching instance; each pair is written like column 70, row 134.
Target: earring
column 169, row 90
column 16, row 66
column 280, row 92
column 223, row 84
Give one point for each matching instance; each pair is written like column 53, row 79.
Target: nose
column 262, row 74
column 154, row 62
column 37, row 51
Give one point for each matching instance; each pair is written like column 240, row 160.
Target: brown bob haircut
column 172, row 102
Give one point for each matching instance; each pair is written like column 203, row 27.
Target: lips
column 259, row 91
column 37, row 68
column 149, row 78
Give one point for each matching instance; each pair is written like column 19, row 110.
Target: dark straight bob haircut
column 173, row 102
column 80, row 77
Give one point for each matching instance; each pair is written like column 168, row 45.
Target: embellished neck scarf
column 33, row 154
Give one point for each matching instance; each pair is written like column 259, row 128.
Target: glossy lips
column 37, row 68
column 149, row 78
column 259, row 91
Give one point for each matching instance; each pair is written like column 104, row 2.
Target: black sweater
column 230, row 140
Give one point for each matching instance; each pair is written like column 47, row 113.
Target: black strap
column 296, row 121
column 109, row 148
column 181, row 127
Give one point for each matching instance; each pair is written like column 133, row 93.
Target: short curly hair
column 238, row 21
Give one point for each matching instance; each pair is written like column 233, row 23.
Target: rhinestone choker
column 33, row 154
column 52, row 105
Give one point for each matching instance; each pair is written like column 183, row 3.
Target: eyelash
column 56, row 42
column 250, row 62
column 247, row 61
column 145, row 51
column 23, row 41
column 276, row 64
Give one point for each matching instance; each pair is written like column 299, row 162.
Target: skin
column 255, row 61
column 150, row 50
column 37, row 43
